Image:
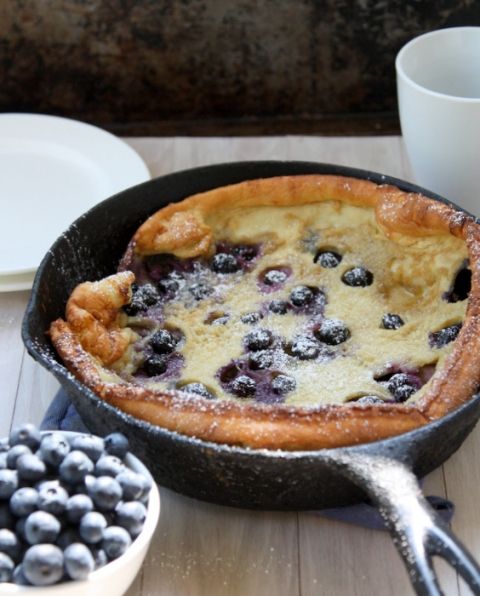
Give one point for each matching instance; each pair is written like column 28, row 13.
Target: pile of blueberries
column 67, row 505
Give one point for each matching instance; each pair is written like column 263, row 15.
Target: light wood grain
column 201, row 549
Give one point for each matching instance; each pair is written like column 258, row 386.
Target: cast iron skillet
column 381, row 471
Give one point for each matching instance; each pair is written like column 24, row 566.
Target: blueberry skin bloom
column 116, row 444
column 92, row 526
column 79, row 561
column 24, row 501
column 92, row 446
column 53, row 449
column 75, row 467
column 41, row 527
column 8, row 483
column 105, row 492
column 43, row 564
column 6, row 568
column 115, row 541
column 26, row 434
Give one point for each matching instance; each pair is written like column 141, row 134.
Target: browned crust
column 183, row 229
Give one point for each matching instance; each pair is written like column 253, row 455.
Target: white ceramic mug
column 438, row 85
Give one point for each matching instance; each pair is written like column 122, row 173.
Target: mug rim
column 401, row 74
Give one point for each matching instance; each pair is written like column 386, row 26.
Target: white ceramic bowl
column 115, row 577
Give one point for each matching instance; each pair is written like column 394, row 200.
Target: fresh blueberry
column 200, row 290
column 8, row 483
column 105, row 493
column 43, row 564
column 68, row 536
column 14, row 453
column 147, row 487
column 109, row 465
column 155, row 365
column 75, row 467
column 282, row 384
column 30, row 467
column 77, row 506
column 250, row 318
column 131, row 483
column 261, row 360
column 24, row 501
column 4, row 445
column 368, row 400
column 3, row 460
column 79, row 562
column 444, row 336
column 20, row 528
column 224, row 263
column 9, row 544
column 198, row 389
column 301, row 296
column 53, row 449
column 6, row 518
column 332, row 332
column 91, row 445
column 19, row 577
column 6, row 568
column 99, row 556
column 358, row 277
column 116, row 444
column 401, row 387
column 278, row 307
column 258, row 339
column 304, row 348
column 392, row 321
column 52, row 499
column 115, row 541
column 162, row 342
column 26, row 434
column 274, row 277
column 131, row 516
column 92, row 526
column 243, row 386
column 328, row 259
column 41, row 527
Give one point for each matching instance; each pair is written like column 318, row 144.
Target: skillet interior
column 91, row 248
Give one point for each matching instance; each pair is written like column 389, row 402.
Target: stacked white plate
column 51, row 171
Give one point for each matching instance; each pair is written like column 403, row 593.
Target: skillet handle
column 417, row 530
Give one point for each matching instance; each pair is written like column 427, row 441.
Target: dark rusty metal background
column 213, row 66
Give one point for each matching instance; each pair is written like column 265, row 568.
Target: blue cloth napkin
column 62, row 415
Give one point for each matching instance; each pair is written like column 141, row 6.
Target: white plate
column 51, row 171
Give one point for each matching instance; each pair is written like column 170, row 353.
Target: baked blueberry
column 43, row 564
column 147, row 294
column 162, row 342
column 438, row 339
column 116, row 444
column 200, row 290
column 332, row 332
column 155, row 364
column 358, row 277
column 401, row 387
column 283, row 384
column 278, row 307
column 368, row 400
column 328, row 259
column 168, row 287
column 392, row 321
column 301, row 296
column 78, row 561
column 224, row 263
column 304, row 348
column 198, row 389
column 247, row 252
column 461, row 286
column 274, row 277
column 243, row 386
column 261, row 360
column 250, row 318
column 258, row 339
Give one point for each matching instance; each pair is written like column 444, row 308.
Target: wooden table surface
column 207, row 550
